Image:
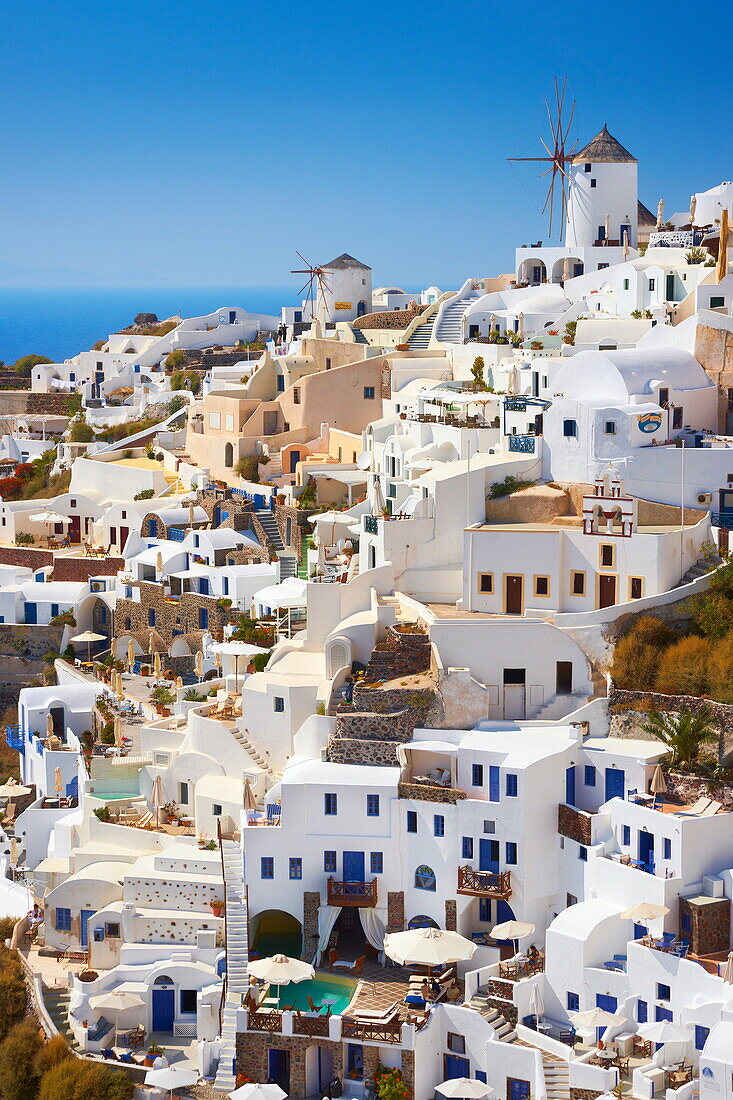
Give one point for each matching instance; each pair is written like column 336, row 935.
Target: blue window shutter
column 376, row 863
column 626, row 832
column 467, row 847
column 494, row 789
column 511, row 852
column 511, row 785
column 412, row 821
column 642, row 1014
column 573, row 1002
column 701, row 1035
column 590, row 775
column 477, row 775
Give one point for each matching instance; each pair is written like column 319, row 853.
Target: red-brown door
column 75, row 529
column 606, row 591
column 514, row 586
column 124, row 532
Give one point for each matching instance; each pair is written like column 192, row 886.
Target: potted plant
column 153, row 1052
column 145, row 670
column 217, row 907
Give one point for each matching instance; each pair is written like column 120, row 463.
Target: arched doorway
column 164, row 1003
column 361, row 309
column 229, row 456
column 275, row 931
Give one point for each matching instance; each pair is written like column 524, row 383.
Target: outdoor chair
column 710, row 810
column 697, row 808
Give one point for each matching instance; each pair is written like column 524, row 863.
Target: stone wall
column 451, row 915
column 714, row 349
column 426, row 792
column 354, row 750
column 584, row 1094
column 180, row 615
column 252, row 1048
column 722, row 713
column 710, row 921
column 574, row 823
column 311, row 902
column 50, row 404
column 402, row 653
column 25, row 556
column 299, row 526
column 366, row 725
column 81, row 569
column 395, row 911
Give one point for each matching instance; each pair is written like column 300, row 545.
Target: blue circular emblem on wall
column 650, row 422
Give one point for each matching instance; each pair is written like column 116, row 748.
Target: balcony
column 485, row 884
column 355, row 895
column 370, row 525
column 522, row 444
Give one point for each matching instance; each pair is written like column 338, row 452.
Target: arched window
column 163, row 979
column 337, row 657
column 424, row 878
column 422, row 921
column 229, row 456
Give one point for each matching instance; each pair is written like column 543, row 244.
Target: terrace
column 484, row 884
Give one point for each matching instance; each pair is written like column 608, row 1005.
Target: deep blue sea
column 59, row 323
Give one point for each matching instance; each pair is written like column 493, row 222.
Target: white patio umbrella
column 644, row 912
column 464, row 1088
column 48, row 517
column 536, row 1002
column 512, row 930
column 89, row 636
column 664, row 1031
column 253, row 1091
column 281, row 970
column 595, row 1017
column 379, row 503
column 13, row 788
column 171, row 1077
column 727, row 974
column 157, row 797
column 236, row 650
column 324, row 521
column 429, row 947
column 250, row 802
column 116, row 1000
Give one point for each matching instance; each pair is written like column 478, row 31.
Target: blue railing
column 523, row 444
column 176, row 534
column 722, row 519
column 515, row 404
column 14, row 738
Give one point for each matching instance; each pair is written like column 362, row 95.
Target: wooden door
column 514, row 595
column 606, row 591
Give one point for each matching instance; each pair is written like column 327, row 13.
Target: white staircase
column 449, row 327
column 557, row 1077
column 560, row 705
column 422, row 333
column 701, row 567
column 251, row 751
column 237, row 961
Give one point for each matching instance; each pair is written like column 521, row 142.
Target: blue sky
column 203, row 143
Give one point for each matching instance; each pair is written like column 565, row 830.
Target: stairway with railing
column 449, row 322
column 237, row 957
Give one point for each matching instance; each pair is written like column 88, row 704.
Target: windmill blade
column 308, row 265
column 547, row 147
column 305, row 284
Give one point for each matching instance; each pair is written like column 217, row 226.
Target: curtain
column 373, row 922
column 327, row 917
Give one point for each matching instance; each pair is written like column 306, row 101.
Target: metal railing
column 523, row 444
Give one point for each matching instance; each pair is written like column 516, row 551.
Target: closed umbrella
column 429, row 947
column 728, row 969
column 179, row 681
column 49, row 725
column 13, row 851
column 118, row 731
column 89, row 636
column 536, row 1002
column 191, row 513
column 171, row 1077
column 464, row 1088
column 659, row 783
column 157, row 797
column 157, row 665
column 253, row 1091
column 116, row 1000
column 159, row 562
column 200, row 664
column 378, row 500
column 130, row 655
column 281, row 970
column 250, row 802
column 58, row 782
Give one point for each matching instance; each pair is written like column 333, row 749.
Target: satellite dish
column 364, row 461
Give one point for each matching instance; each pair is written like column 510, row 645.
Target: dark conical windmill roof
column 344, row 261
column 604, row 149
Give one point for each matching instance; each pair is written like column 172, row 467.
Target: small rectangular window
column 369, row 393
column 569, row 428
column 183, row 793
column 573, row 1002
column 511, row 785
column 606, row 555
column 577, row 583
column 329, row 862
column 484, row 910
column 494, row 779
column 593, row 182
column 663, row 992
column 677, row 414
column 542, row 586
column 63, row 920
column 667, row 847
column 587, row 167
column 477, row 775
column 652, row 284
column 486, row 583
column 372, row 805
column 151, row 616
column 590, row 775
column 376, row 863
column 582, row 853
column 716, row 301
column 467, row 848
column 610, row 427
column 267, row 867
column 456, row 1043
column 216, row 809
column 330, row 804
column 626, row 835
column 278, row 704
column 295, row 867
column 626, row 284
column 438, row 825
column 636, row 587
column 411, row 821
column 701, row 1036
column 112, row 931
column 296, row 395
column 511, row 852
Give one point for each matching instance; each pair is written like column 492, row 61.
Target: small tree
column 13, row 993
column 637, row 655
column 74, row 1079
column 51, row 1054
column 711, row 611
column 683, row 668
column 26, row 363
column 81, row 432
column 683, row 734
column 175, row 359
column 18, row 1051
column 477, row 370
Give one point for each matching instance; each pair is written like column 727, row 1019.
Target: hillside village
column 373, row 676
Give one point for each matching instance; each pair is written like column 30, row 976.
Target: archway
column 229, row 456
column 567, row 267
column 532, row 271
column 275, row 931
column 361, row 309
column 422, row 921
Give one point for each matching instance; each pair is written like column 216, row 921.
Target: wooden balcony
column 484, row 884
column 371, row 1032
column 356, row 895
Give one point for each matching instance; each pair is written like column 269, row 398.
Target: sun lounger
column 350, row 964
column 710, row 810
column 386, row 1015
column 696, row 809
column 143, row 822
column 9, row 815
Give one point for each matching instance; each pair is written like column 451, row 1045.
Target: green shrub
column 102, row 813
column 13, row 992
column 176, row 359
column 81, row 432
column 74, row 1079
column 53, row 1052
column 18, row 1052
column 186, row 380
column 26, row 363
column 509, row 485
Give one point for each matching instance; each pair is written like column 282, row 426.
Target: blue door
column 609, row 1004
column 570, row 785
column 615, row 783
column 456, row 1067
column 353, row 866
column 518, row 1090
column 84, row 916
column 31, row 613
column 646, row 850
column 153, row 527
column 489, row 855
column 164, row 1009
column 72, row 788
column 278, row 1068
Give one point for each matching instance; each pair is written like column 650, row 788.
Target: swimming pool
column 115, row 796
column 338, row 990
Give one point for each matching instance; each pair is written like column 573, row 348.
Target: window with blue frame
column 54, row 610
column 667, row 847
column 701, row 1036
column 438, row 825
column 511, row 852
column 278, row 704
column 151, row 616
column 590, row 775
column 376, row 863
column 484, row 910
column 267, row 867
column 204, row 586
column 467, row 847
column 582, row 853
column 412, row 821
column 480, row 1076
column 424, row 878
column 686, row 922
column 626, row 835
column 573, row 1002
column 663, row 1014
column 477, row 775
column 511, row 785
column 203, row 618
column 329, row 861
column 372, row 805
column 225, row 585
column 663, row 992
column 642, row 1011
column 63, row 920
column 102, row 614
column 295, row 867
column 494, row 773
column 330, row 804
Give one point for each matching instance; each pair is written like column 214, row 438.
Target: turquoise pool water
column 114, row 796
column 296, row 995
